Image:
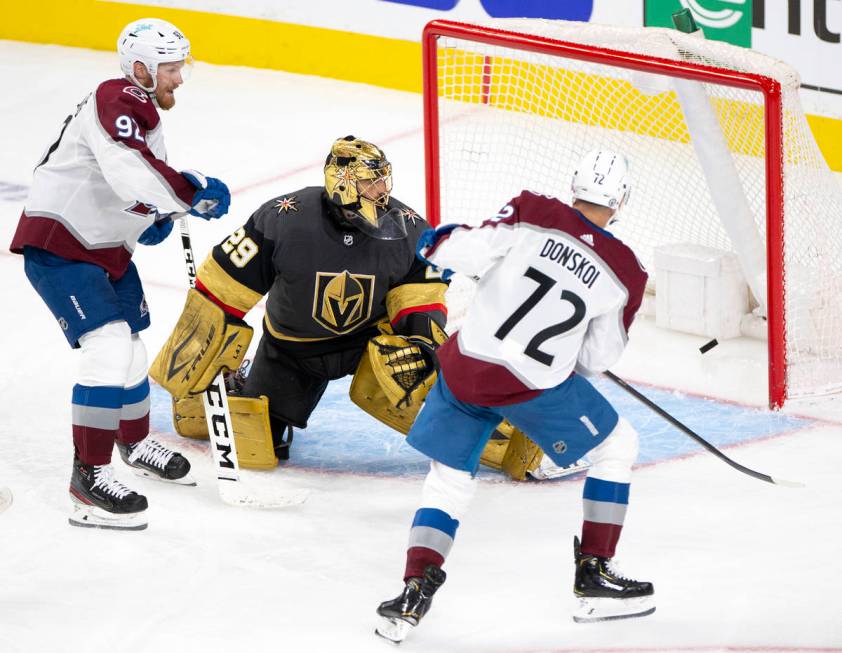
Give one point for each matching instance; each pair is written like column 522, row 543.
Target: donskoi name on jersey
column 572, row 259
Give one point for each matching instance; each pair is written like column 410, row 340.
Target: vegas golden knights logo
column 343, row 300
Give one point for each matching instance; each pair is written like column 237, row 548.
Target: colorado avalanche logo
column 136, row 92
column 139, row 208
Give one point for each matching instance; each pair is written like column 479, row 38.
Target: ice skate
column 604, row 594
column 151, row 459
column 100, row 501
column 405, row 611
column 547, row 469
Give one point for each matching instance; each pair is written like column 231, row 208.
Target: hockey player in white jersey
column 556, row 296
column 103, row 186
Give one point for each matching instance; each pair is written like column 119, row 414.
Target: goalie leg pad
column 252, row 432
column 204, row 342
column 250, row 419
column 188, row 415
column 511, row 451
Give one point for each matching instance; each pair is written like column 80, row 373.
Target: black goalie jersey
column 325, row 279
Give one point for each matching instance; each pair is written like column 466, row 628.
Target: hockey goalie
column 345, row 295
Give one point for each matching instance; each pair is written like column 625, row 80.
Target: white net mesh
column 511, row 120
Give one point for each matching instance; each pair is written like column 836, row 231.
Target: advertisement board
column 803, row 33
column 303, row 36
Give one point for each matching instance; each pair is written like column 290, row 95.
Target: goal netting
column 720, row 150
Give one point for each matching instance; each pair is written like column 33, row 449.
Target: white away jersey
column 555, row 291
column 94, row 191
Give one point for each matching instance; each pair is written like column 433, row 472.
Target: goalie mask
column 358, row 179
column 602, row 177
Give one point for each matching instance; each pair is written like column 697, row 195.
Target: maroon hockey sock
column 93, row 446
column 132, row 431
column 418, row 558
column 430, row 540
column 600, row 539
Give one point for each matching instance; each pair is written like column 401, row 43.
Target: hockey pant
column 111, row 395
column 448, row 492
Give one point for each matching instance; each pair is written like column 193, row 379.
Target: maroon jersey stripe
column 127, row 115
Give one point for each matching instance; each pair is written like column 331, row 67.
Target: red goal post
column 493, row 75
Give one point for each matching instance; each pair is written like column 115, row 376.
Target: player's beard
column 166, row 99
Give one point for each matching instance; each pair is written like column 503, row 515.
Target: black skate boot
column 605, row 594
column 404, row 612
column 152, row 459
column 100, row 501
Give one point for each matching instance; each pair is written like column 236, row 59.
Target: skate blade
column 86, row 516
column 392, row 629
column 184, row 480
column 591, row 610
column 552, row 471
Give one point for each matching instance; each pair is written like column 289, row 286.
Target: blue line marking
column 342, row 438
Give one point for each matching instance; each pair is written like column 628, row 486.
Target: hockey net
column 720, row 150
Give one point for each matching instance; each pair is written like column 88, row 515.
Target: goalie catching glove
column 205, row 341
column 404, row 366
column 394, row 376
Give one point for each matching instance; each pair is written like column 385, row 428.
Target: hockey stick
column 688, row 431
column 220, row 427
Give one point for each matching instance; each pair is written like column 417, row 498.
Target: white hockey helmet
column 151, row 41
column 602, row 177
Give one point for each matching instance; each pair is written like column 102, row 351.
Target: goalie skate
column 549, row 470
column 151, row 459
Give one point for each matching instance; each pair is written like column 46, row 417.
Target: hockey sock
column 605, row 504
column 430, row 540
column 134, row 414
column 96, row 418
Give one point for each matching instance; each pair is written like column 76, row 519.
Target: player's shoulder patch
column 120, row 97
column 410, row 216
column 136, row 92
column 286, row 203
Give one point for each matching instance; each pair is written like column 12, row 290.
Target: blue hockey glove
column 156, row 232
column 212, row 197
column 429, row 238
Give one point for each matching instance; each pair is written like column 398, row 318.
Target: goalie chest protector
column 328, row 281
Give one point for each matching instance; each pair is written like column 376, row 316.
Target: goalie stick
column 688, row 431
column 221, row 430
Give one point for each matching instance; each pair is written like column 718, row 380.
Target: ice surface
column 737, row 564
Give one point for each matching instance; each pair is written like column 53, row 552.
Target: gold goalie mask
column 358, row 179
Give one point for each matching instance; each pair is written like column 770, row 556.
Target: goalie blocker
column 205, row 341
